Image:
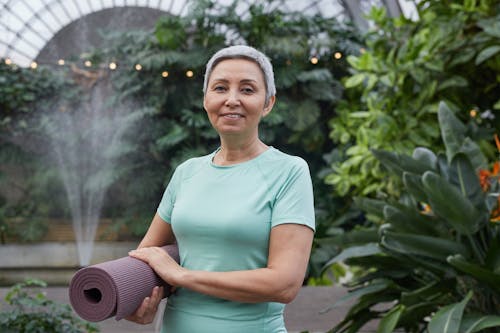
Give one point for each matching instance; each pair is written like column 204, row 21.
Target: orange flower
column 425, row 209
column 484, row 176
column 495, row 214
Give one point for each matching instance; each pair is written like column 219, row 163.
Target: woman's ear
column 269, row 106
column 204, row 108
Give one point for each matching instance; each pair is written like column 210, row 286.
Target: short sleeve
column 167, row 201
column 294, row 202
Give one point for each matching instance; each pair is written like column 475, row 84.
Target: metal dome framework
column 26, row 26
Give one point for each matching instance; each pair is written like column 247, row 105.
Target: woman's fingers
column 156, row 297
column 146, row 312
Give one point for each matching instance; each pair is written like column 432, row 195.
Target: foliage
column 451, row 53
column 25, row 94
column 178, row 127
column 436, row 251
column 31, row 312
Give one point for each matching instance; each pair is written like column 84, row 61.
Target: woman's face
column 235, row 97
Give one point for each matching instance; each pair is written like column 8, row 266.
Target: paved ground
column 303, row 314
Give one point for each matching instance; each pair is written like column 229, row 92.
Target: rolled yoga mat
column 115, row 288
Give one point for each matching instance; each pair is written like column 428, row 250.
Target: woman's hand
column 162, row 263
column 146, row 312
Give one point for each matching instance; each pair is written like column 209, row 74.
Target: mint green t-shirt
column 222, row 217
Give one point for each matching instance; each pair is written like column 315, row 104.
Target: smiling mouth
column 233, row 116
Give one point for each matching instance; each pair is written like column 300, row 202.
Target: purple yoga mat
column 115, row 288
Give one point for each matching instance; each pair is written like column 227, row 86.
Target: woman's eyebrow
column 222, row 80
column 248, row 81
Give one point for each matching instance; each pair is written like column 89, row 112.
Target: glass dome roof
column 27, row 26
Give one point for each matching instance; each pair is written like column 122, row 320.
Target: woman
column 242, row 216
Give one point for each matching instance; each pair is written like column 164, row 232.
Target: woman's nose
column 233, row 98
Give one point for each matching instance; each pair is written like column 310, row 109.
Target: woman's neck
column 231, row 153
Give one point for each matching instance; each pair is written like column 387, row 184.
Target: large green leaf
column 487, row 53
column 389, row 321
column 355, row 251
column 413, row 184
column 374, row 287
column 418, row 245
column 372, row 206
column 409, row 220
column 448, row 318
column 452, row 130
column 464, row 176
column 426, row 156
column 492, row 260
column 448, row 202
column 399, row 163
column 474, row 153
column 429, row 292
column 477, row 322
column 478, row 272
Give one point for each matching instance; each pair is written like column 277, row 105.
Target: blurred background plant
column 30, row 311
column 449, row 53
column 434, row 263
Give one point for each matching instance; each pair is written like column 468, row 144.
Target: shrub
column 32, row 312
column 436, row 252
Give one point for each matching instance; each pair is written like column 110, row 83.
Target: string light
column 473, row 113
column 189, row 73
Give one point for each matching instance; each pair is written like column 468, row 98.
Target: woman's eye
column 219, row 88
column 247, row 90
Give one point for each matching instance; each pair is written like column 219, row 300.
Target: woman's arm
column 289, row 251
column 159, row 233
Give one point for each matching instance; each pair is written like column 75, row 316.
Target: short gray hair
column 243, row 52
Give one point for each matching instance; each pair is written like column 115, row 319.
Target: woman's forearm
column 251, row 286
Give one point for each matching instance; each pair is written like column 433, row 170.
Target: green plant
column 450, row 53
column 437, row 249
column 30, row 183
column 31, row 312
